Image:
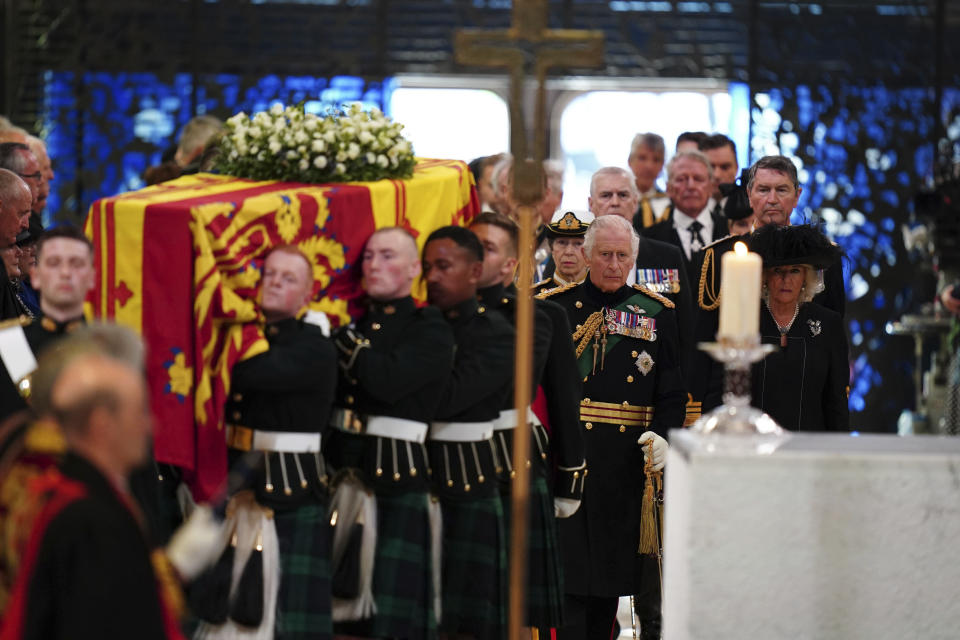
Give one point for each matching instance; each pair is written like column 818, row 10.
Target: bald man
column 87, row 570
column 394, row 360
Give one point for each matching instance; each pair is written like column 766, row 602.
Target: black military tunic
column 40, row 333
column 631, row 384
column 803, row 386
column 474, row 540
column 289, row 389
column 409, row 357
column 661, row 269
column 475, row 392
column 555, row 368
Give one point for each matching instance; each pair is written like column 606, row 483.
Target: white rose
column 320, row 162
column 318, row 145
column 291, row 154
column 310, row 124
column 371, row 158
column 304, row 164
column 261, row 118
column 341, row 156
column 302, row 149
column 353, row 151
column 276, row 109
column 254, row 150
column 330, row 136
column 275, row 145
column 254, row 132
column 301, row 136
column 382, row 161
column 341, row 168
column 366, row 137
column 237, row 119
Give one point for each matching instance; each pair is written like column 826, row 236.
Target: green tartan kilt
column 544, row 565
column 402, row 579
column 303, row 604
column 474, row 598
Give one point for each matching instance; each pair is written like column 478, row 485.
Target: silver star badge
column 644, row 363
column 814, row 327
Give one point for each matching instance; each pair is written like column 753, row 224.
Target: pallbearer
column 394, row 362
column 554, row 368
column 279, row 405
column 474, row 584
column 625, row 339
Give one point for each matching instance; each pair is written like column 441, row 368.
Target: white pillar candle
column 740, row 294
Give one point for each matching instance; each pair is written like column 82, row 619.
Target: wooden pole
column 523, row 373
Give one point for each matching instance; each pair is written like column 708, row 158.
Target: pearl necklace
column 784, row 330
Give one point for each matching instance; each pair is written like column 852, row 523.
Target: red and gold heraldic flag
column 180, row 263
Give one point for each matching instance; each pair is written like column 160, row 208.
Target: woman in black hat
column 802, row 385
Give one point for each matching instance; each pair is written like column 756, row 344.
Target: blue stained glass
column 128, row 120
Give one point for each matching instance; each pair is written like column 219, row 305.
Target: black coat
column 654, row 254
column 803, row 386
column 409, row 359
column 599, row 542
column 706, row 380
column 290, row 387
column 664, row 231
column 39, row 333
column 475, row 391
column 93, row 577
column 555, row 370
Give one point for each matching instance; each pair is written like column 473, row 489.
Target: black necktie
column 696, row 240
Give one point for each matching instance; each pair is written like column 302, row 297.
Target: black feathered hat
column 799, row 244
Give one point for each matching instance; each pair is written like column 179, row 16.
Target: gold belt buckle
column 240, row 438
column 352, row 422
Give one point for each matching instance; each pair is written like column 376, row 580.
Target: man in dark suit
column 773, row 189
column 691, row 223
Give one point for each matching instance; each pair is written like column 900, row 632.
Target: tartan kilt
column 474, row 572
column 544, row 606
column 303, row 604
column 402, row 578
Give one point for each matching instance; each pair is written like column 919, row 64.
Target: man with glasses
column 18, row 158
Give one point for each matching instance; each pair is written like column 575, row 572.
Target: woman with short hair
column 803, row 385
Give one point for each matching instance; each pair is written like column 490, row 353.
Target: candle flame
column 741, row 249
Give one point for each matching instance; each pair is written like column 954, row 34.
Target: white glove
column 565, row 507
column 659, row 448
column 196, row 544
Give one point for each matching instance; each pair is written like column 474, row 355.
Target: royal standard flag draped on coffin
column 180, row 263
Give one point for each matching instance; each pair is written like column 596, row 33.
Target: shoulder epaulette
column 656, row 296
column 543, row 295
column 716, row 242
column 23, row 321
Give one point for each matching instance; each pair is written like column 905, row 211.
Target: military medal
column 644, row 363
column 632, row 325
column 660, row 280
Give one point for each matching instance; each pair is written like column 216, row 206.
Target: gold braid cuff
column 585, row 333
column 709, row 259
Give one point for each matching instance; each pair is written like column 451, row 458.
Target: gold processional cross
column 528, row 43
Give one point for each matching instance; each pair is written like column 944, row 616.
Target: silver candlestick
column 736, row 416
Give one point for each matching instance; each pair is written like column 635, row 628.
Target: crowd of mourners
column 373, row 465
